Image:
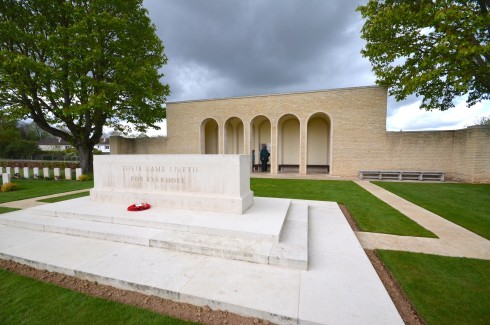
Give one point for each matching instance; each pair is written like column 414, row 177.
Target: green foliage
column 29, row 301
column 444, row 290
column 18, row 149
column 435, row 49
column 370, row 213
column 83, row 178
column 467, row 205
column 75, row 66
column 8, row 187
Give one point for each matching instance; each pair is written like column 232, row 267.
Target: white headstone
column 36, row 172
column 57, row 174
column 5, row 178
column 17, row 171
column 68, row 174
column 1, row 170
column 219, row 183
column 9, row 170
column 78, row 172
column 46, row 172
column 27, row 172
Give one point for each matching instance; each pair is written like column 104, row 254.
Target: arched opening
column 288, row 144
column 260, row 134
column 234, row 136
column 209, row 136
column 318, row 148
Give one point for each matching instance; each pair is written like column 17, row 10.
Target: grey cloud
column 261, row 46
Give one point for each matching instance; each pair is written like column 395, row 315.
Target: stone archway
column 209, row 137
column 260, row 133
column 319, row 149
column 234, row 142
column 288, row 158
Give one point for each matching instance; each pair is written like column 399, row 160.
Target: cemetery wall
column 357, row 140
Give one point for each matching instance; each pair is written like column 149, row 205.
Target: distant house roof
column 52, row 142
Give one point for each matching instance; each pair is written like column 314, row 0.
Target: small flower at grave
column 139, row 207
column 8, row 187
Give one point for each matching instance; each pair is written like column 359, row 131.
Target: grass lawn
column 371, row 214
column 444, row 290
column 29, row 188
column 28, row 301
column 5, row 209
column 467, row 205
column 65, row 197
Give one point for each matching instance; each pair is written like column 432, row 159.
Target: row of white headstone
column 9, row 172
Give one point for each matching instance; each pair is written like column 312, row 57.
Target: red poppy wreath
column 139, row 207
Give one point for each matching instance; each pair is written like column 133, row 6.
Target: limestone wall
column 355, row 121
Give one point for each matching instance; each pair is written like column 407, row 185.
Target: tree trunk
column 86, row 158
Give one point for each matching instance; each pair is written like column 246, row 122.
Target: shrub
column 83, row 178
column 7, row 187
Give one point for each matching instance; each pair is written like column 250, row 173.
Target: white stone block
column 78, row 172
column 1, row 170
column 68, row 174
column 219, row 183
column 27, row 172
column 46, row 172
column 17, row 171
column 9, row 170
column 57, row 174
column 35, row 172
column 5, row 178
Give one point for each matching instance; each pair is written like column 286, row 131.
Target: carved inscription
column 162, row 174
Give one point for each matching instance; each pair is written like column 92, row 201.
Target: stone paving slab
column 453, row 240
column 290, row 251
column 340, row 287
column 263, row 221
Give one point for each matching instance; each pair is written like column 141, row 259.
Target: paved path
column 453, row 240
column 34, row 202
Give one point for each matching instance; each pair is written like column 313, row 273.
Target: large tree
column 74, row 66
column 438, row 49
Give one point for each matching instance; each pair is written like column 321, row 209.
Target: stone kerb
column 218, row 183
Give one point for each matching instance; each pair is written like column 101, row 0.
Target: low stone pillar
column 27, row 173
column 6, row 178
column 46, row 172
column 78, row 172
column 35, row 172
column 57, row 174
column 68, row 174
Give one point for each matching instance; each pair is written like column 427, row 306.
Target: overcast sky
column 228, row 48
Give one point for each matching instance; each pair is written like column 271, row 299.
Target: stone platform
column 288, row 261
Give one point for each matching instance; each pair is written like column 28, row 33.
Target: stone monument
column 217, row 183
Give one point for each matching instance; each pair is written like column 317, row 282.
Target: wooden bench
column 402, row 175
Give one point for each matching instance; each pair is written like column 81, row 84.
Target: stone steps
column 290, row 250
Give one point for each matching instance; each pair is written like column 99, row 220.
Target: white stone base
column 218, row 183
column 273, row 231
column 197, row 202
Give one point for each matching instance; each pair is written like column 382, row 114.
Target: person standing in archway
column 264, row 157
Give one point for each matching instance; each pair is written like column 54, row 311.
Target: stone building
column 338, row 132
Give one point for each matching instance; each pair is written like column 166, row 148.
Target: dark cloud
column 225, row 48
column 256, row 46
